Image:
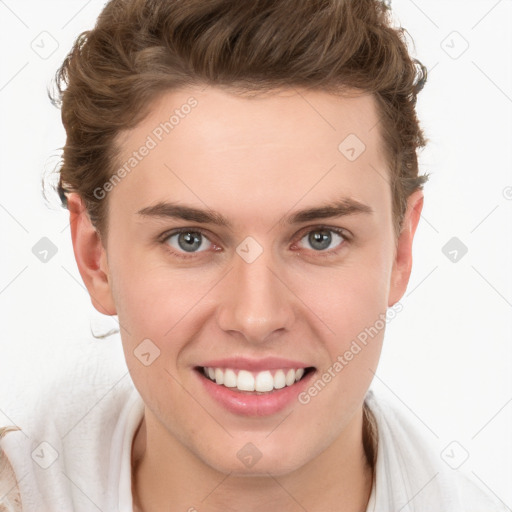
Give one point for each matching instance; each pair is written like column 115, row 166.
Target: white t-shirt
column 73, row 454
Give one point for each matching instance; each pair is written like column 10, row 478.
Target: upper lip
column 255, row 365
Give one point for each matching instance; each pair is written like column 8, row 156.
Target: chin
column 251, row 461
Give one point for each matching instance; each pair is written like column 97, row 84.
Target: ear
column 403, row 257
column 90, row 256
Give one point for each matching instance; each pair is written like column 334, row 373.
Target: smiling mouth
column 256, row 383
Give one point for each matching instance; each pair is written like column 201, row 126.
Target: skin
column 255, row 161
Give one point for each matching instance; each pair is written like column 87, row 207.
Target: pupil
column 192, row 241
column 320, row 239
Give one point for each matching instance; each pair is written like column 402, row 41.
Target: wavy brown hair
column 140, row 49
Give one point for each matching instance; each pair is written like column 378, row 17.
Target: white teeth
column 264, row 382
column 290, row 377
column 230, row 378
column 247, row 381
column 279, row 379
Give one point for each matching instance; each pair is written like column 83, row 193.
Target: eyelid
column 342, row 232
column 176, row 231
column 162, row 239
column 345, row 234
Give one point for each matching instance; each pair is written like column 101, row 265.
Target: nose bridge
column 256, row 303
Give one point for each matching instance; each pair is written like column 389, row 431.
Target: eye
column 188, row 240
column 320, row 239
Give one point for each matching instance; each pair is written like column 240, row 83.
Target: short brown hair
column 139, row 49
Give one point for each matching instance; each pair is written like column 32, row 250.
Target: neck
column 340, row 478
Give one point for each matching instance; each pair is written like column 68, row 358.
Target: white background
column 447, row 356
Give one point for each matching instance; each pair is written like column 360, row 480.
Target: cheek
column 354, row 309
column 159, row 310
column 351, row 302
column 152, row 299
column 350, row 298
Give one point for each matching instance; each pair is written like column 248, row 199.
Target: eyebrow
column 340, row 208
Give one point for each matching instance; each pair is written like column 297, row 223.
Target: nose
column 256, row 303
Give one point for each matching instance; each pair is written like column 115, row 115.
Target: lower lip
column 247, row 404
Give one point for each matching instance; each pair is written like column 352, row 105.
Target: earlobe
column 403, row 258
column 90, row 256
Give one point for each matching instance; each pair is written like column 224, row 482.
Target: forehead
column 208, row 146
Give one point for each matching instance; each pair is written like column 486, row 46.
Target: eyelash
column 323, row 254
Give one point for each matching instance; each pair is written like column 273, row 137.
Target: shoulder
column 476, row 498
column 95, row 384
column 63, row 437
column 10, row 499
column 409, row 459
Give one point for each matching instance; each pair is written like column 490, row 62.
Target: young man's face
column 271, row 290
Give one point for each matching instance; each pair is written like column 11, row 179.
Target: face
column 252, row 241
